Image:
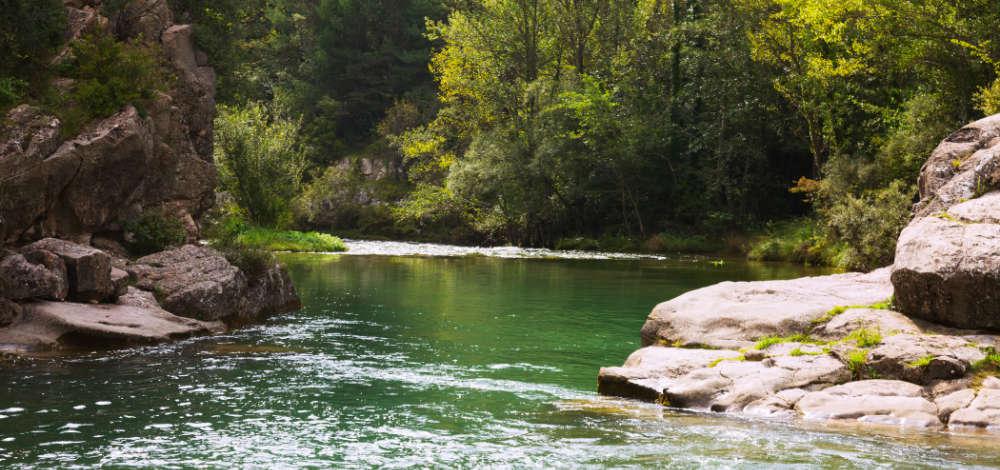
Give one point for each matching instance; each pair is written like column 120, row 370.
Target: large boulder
column 948, row 266
column 193, row 281
column 46, row 326
column 734, row 314
column 963, row 166
column 88, row 269
column 198, row 282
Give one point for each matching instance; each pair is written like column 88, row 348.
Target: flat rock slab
column 64, row 325
column 650, row 370
column 730, row 386
column 888, row 402
column 734, row 314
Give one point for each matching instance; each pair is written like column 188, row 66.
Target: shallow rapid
column 423, row 361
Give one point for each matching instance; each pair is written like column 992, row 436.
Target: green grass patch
column 289, row 240
column 799, row 352
column 835, row 311
column 865, row 337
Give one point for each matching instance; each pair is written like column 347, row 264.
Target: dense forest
column 641, row 124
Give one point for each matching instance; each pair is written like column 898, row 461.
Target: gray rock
column 983, row 412
column 734, row 314
column 888, row 402
column 198, row 282
column 780, row 405
column 88, row 269
column 650, row 370
column 885, row 321
column 138, row 298
column 39, row 275
column 119, row 280
column 10, row 312
column 730, row 386
column 47, row 326
column 954, row 401
column 194, row 282
column 948, row 272
column 923, row 358
column 976, row 147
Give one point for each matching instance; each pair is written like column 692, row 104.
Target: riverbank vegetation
column 789, row 129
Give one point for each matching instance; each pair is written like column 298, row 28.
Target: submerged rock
column 735, row 314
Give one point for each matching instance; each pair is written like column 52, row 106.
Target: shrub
column 154, row 231
column 796, row 240
column 11, row 91
column 868, row 226
column 110, row 74
column 29, row 31
column 260, row 162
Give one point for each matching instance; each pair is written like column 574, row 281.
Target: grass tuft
column 865, row 337
column 923, row 361
column 857, row 361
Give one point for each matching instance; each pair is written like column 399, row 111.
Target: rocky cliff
column 62, row 197
column 914, row 345
column 120, row 167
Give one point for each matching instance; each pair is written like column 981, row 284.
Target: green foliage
column 740, row 358
column 857, row 362
column 991, row 363
column 29, row 32
column 11, row 91
column 289, row 240
column 261, row 162
column 769, row 341
column 154, row 231
column 799, row 241
column 868, row 226
column 109, row 74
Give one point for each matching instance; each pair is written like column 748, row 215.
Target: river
column 424, row 356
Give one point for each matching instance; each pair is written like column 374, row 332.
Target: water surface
column 401, row 361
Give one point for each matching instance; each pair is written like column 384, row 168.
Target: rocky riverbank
column 67, row 280
column 914, row 345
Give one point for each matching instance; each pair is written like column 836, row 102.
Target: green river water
column 426, row 362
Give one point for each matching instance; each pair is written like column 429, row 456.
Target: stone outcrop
column 948, row 265
column 117, row 168
column 863, row 365
column 735, row 314
column 963, row 166
column 200, row 293
column 198, row 282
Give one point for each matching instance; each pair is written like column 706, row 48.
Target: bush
column 11, row 91
column 110, row 74
column 260, row 162
column 29, row 31
column 797, row 240
column 868, row 226
column 153, row 232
